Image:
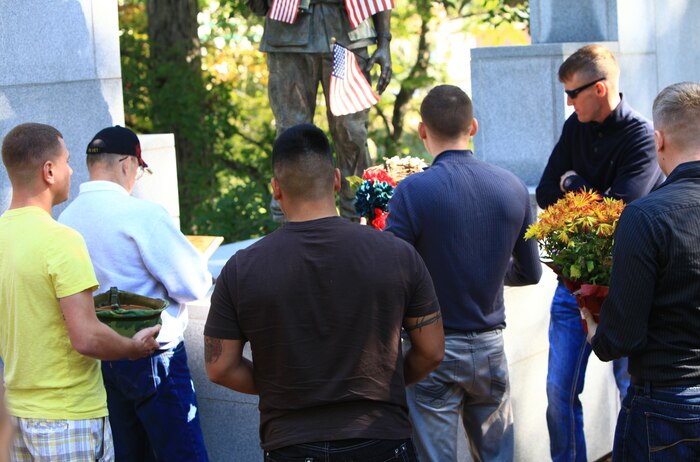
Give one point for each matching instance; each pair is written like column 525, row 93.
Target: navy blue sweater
column 616, row 158
column 467, row 218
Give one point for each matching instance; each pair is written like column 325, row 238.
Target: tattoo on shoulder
column 424, row 321
column 212, row 349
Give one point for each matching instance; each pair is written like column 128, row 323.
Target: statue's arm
column 382, row 55
column 259, row 7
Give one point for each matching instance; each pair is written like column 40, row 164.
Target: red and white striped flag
column 284, row 10
column 359, row 10
column 350, row 91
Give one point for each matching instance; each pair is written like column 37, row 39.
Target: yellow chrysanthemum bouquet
column 576, row 237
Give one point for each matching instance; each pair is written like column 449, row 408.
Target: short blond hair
column 591, row 62
column 676, row 111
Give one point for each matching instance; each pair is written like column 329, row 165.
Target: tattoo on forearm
column 212, row 349
column 424, row 321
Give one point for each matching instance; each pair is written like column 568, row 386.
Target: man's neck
column 105, row 175
column 439, row 148
column 309, row 210
column 43, row 200
column 610, row 107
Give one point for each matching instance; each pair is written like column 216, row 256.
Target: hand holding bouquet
column 576, row 236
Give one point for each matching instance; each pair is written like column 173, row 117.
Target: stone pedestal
column 59, row 65
column 158, row 151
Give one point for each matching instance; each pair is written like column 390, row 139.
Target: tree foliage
column 208, row 85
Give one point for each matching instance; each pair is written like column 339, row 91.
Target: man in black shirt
column 608, row 147
column 652, row 313
column 322, row 301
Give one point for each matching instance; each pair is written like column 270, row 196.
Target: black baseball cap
column 116, row 140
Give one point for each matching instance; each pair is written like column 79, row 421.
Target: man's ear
column 659, row 140
column 601, row 88
column 474, row 128
column 337, row 181
column 276, row 190
column 47, row 172
column 124, row 166
column 422, row 132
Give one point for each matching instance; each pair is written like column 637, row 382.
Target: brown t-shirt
column 322, row 303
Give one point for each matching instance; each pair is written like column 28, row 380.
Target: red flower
column 379, row 221
column 379, row 174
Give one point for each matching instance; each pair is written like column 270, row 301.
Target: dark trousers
column 292, row 89
column 153, row 409
column 355, row 450
column 659, row 425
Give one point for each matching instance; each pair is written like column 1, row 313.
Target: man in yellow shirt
column 50, row 337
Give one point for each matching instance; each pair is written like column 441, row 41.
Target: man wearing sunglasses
column 608, row 147
column 136, row 247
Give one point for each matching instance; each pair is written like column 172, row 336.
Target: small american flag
column 284, row 10
column 350, row 91
column 359, row 10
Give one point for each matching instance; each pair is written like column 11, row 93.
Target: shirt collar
column 452, row 155
column 102, row 185
column 618, row 116
column 684, row 170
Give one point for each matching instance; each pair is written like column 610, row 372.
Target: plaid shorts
column 44, row 440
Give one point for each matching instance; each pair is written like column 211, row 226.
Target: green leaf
column 589, row 266
column 355, row 181
column 575, row 272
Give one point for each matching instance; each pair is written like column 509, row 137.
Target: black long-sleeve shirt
column 652, row 313
column 616, row 158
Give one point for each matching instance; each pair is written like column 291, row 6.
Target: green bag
column 128, row 313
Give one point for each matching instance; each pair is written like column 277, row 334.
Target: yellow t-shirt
column 42, row 261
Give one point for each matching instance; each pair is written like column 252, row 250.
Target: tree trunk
column 177, row 92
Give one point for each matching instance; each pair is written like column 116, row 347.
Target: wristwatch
column 568, row 181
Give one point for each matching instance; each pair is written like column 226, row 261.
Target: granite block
column 677, row 41
column 637, row 25
column 158, row 151
column 77, row 109
column 46, row 41
column 105, row 27
column 573, row 21
column 520, row 116
column 638, row 80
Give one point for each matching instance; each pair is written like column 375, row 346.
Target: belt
column 690, row 382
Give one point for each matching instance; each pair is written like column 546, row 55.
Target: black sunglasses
column 574, row 93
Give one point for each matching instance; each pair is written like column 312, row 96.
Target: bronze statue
column 299, row 57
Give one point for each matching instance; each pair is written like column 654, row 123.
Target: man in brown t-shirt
column 322, row 302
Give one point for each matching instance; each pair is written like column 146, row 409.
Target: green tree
column 192, row 68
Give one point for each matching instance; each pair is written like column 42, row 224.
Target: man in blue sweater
column 466, row 218
column 608, row 147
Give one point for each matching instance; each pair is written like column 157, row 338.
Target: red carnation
column 379, row 221
column 379, row 174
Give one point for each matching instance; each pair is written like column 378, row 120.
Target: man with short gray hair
column 652, row 313
column 136, row 247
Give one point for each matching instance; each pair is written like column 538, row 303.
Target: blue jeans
column 471, row 382
column 658, row 425
column 355, row 450
column 568, row 358
column 153, row 409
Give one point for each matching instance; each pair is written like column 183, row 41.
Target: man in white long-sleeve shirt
column 135, row 246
